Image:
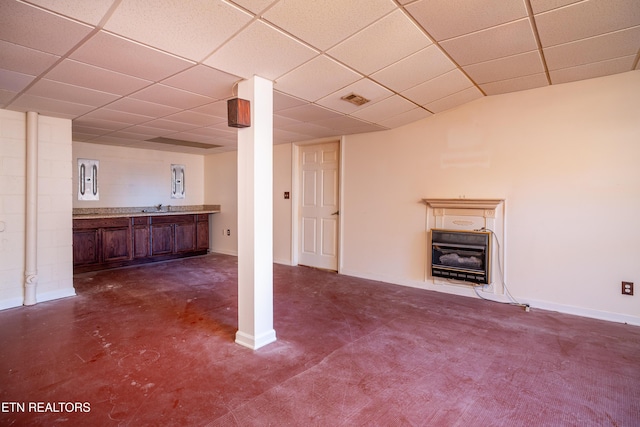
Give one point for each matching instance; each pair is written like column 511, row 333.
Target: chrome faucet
column 158, row 207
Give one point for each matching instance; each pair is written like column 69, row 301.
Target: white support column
column 255, row 217
column 31, row 216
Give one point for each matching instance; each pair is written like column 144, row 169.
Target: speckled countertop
column 93, row 213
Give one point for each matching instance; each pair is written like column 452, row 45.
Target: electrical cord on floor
column 512, row 301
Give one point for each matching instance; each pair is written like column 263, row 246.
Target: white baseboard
column 53, row 295
column 467, row 291
column 223, row 252
column 11, row 303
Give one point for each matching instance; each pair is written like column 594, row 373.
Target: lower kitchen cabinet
column 104, row 243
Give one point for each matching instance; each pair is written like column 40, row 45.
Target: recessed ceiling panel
column 323, row 24
column 515, row 84
column 381, row 110
column 66, row 92
column 588, row 19
column 167, row 95
column 188, row 28
column 90, row 12
column 381, row 44
column 308, row 113
column 595, row 69
column 539, row 6
column 405, row 118
column 38, row 29
column 14, row 82
column 593, row 49
column 316, row 79
column 415, row 69
column 14, row 57
column 506, row 68
column 497, row 42
column 454, row 100
column 124, row 56
column 444, row 85
column 204, row 81
column 91, row 77
column 143, row 108
column 260, row 50
column 445, row 19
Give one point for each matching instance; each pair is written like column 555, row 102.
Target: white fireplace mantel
column 471, row 214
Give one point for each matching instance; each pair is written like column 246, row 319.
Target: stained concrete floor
column 154, row 345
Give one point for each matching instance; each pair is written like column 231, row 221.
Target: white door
column 319, row 208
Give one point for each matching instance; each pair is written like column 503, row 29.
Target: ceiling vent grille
column 355, row 99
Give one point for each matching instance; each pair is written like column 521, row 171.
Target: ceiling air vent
column 355, row 99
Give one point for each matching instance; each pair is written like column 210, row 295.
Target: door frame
column 295, row 197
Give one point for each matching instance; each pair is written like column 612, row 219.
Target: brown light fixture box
column 239, row 113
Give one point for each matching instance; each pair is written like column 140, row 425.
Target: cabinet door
column 202, row 238
column 185, row 236
column 85, row 246
column 115, row 244
column 161, row 239
column 141, row 241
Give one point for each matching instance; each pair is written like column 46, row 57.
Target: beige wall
column 54, row 247
column 221, row 188
column 132, row 177
column 564, row 157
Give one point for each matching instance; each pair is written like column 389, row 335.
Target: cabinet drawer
column 140, row 220
column 79, row 224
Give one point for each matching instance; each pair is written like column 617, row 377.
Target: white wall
column 564, row 157
column 221, row 188
column 54, row 248
column 133, row 177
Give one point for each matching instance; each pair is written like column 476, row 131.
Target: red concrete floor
column 154, row 345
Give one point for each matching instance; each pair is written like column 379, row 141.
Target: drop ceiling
column 127, row 72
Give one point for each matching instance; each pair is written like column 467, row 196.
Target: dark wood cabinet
column 115, row 242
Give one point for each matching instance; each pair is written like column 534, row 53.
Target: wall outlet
column 228, row 232
column 627, row 288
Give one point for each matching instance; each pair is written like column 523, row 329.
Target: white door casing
column 319, row 205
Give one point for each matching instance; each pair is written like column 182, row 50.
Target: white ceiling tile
column 515, row 84
column 348, row 124
column 14, row 57
column 111, row 126
column 365, row 87
column 282, row 101
column 254, row 6
column 167, row 95
column 124, row 56
column 205, row 81
column 380, row 111
column 65, row 92
column 539, row 6
column 322, row 24
column 506, row 68
column 6, row 96
column 188, row 28
column 143, row 108
column 214, row 109
column 171, row 125
column 593, row 49
column 91, row 77
column 316, row 78
column 596, row 69
column 114, row 116
column 39, row 29
column 454, row 100
column 90, row 12
column 50, row 107
column 444, row 85
column 194, row 118
column 406, row 118
column 308, row 113
column 587, row 18
column 496, row 42
column 311, row 130
column 445, row 19
column 415, row 69
column 14, row 82
column 260, row 50
column 381, row 44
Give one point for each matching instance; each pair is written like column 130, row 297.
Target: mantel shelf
column 463, row 203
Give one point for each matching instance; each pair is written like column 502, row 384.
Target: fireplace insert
column 461, row 255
